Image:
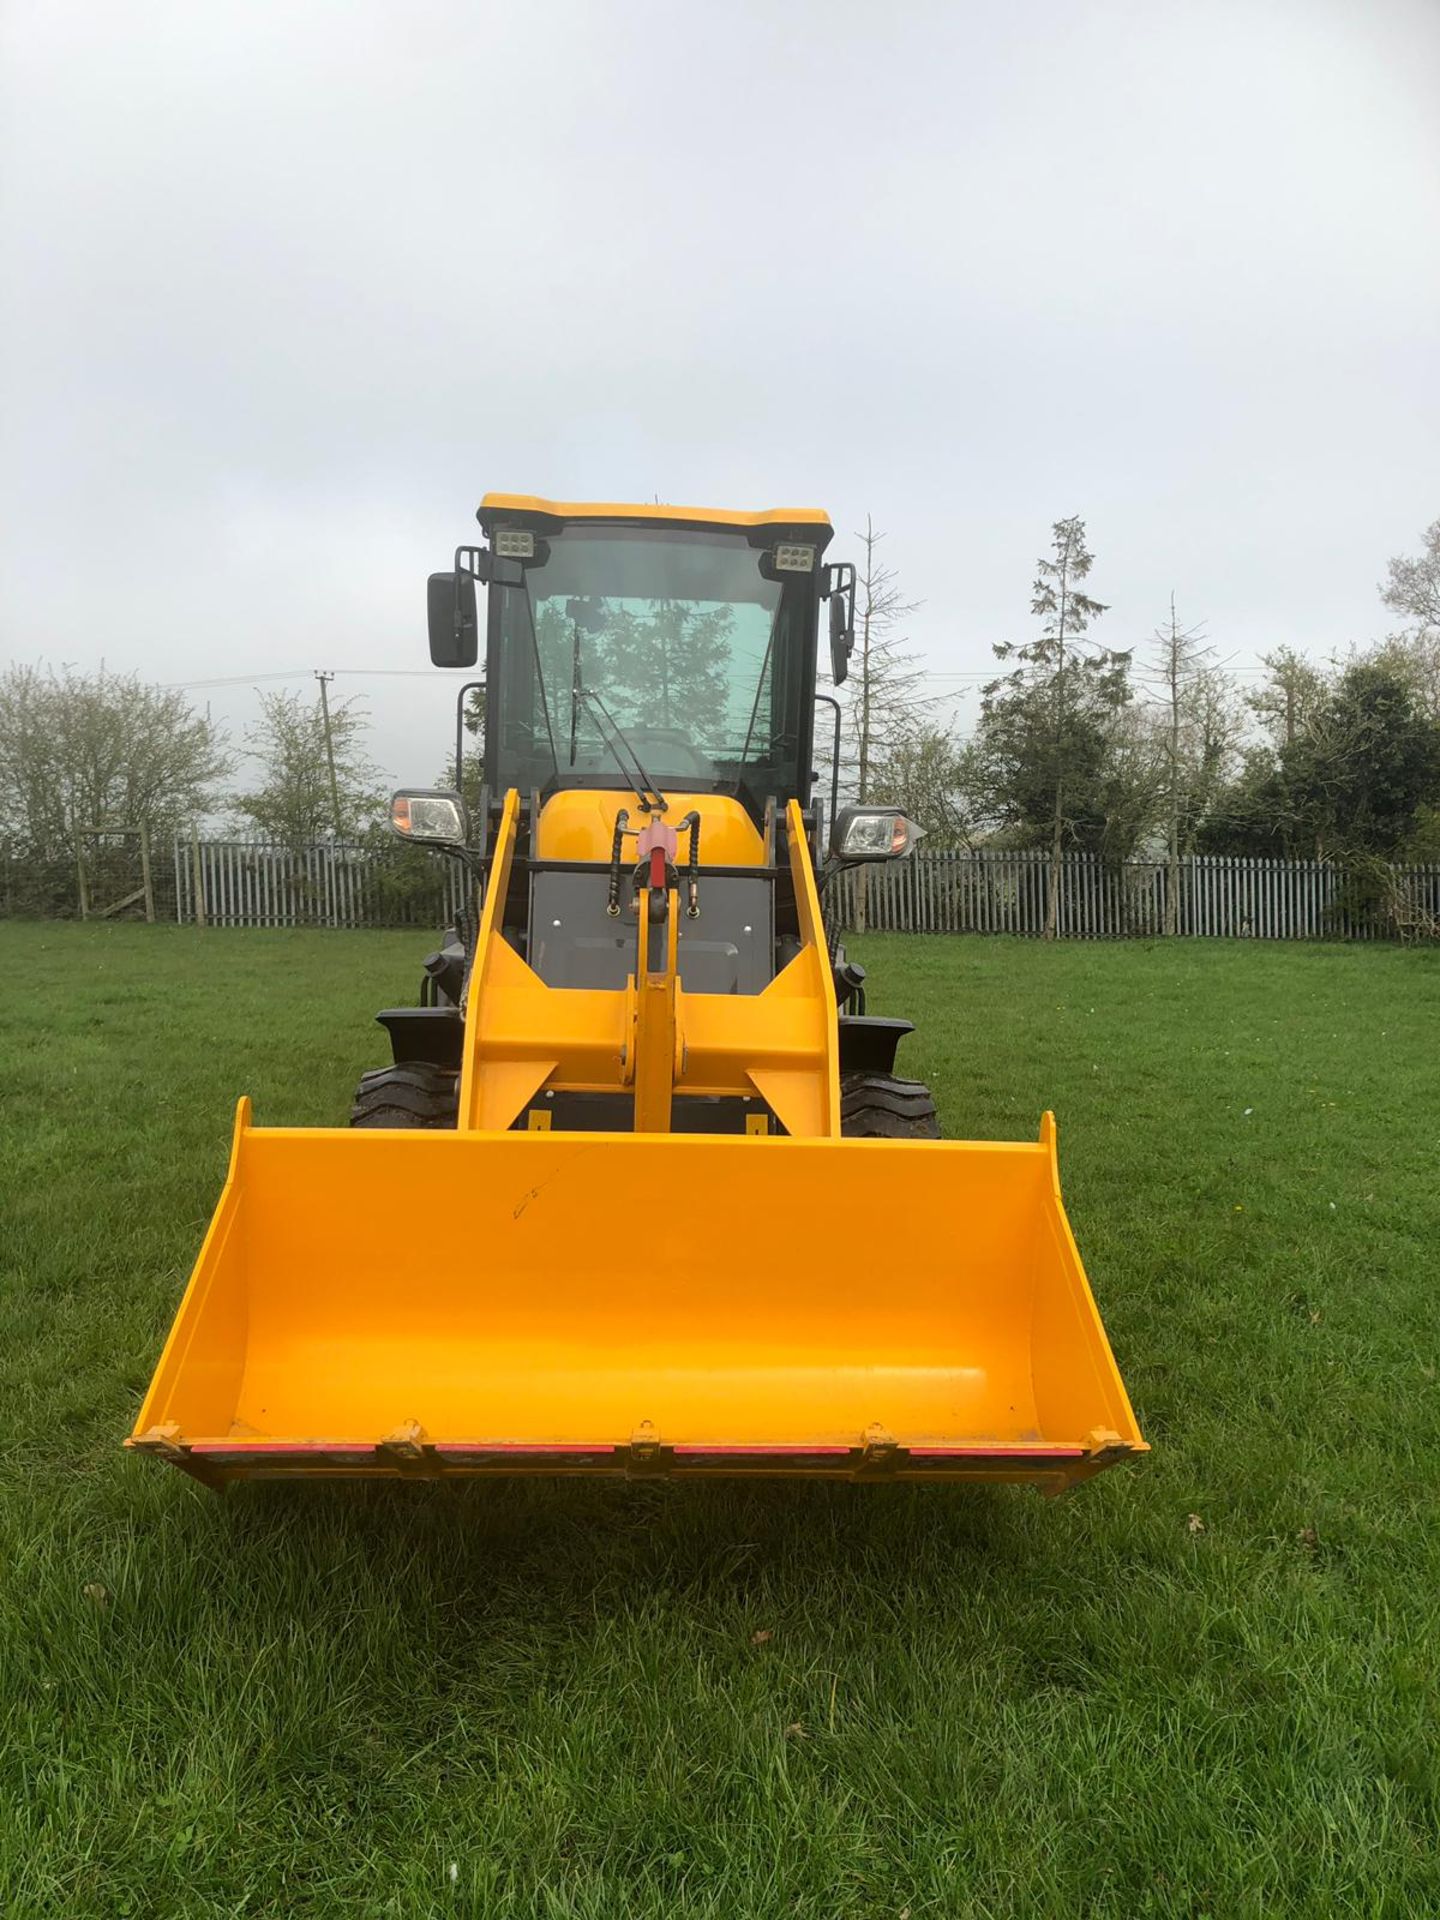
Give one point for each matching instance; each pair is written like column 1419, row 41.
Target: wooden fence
column 1219, row 896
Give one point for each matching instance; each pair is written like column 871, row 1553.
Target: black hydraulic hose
column 692, row 872
column 612, row 902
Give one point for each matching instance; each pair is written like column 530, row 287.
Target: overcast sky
column 287, row 286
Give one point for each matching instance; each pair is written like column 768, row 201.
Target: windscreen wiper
column 650, row 796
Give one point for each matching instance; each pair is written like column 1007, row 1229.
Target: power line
column 303, row 673
column 233, row 680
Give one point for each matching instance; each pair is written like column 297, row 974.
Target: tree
column 1367, row 764
column 1412, row 587
column 1252, row 811
column 885, row 701
column 1045, row 727
column 1414, row 658
column 1201, row 729
column 1285, row 704
column 1252, row 814
column 923, row 774
column 86, row 750
column 293, row 803
column 1130, row 791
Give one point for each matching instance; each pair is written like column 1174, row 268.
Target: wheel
column 877, row 1106
column 415, row 1095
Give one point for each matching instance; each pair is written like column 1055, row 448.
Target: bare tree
column 1132, row 782
column 300, row 800
column 886, row 697
column 93, row 750
column 1179, row 651
column 1201, row 729
column 1413, row 586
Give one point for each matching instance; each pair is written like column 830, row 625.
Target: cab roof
column 530, row 509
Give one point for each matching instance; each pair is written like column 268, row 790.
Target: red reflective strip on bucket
column 524, row 1446
column 601, row 1458
column 725, row 1453
column 280, row 1446
column 996, row 1453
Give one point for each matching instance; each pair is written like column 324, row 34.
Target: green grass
column 549, row 1700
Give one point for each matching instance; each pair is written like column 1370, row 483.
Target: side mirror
column 842, row 638
column 431, row 815
column 873, row 833
column 837, row 585
column 454, row 629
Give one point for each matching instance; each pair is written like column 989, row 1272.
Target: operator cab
column 651, row 648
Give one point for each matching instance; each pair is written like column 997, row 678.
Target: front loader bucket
column 378, row 1302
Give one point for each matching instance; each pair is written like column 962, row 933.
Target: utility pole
column 1174, row 644
column 325, row 679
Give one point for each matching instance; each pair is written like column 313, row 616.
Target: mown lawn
column 1206, row 1684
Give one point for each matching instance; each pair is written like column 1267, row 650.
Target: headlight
column 873, row 833
column 430, row 815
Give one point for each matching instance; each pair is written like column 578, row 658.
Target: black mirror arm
column 838, row 587
column 834, row 865
column 470, row 686
column 474, row 863
column 474, row 561
column 829, row 700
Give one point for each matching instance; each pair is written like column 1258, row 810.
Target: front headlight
column 873, row 833
column 430, row 814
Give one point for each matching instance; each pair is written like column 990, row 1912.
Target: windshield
column 676, row 638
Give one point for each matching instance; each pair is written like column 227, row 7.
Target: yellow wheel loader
column 642, row 1191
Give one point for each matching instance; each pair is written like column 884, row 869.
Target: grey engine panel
column 573, row 943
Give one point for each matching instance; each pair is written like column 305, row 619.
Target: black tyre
column 877, row 1106
column 415, row 1095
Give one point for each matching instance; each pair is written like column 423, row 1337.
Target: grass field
column 1204, row 1685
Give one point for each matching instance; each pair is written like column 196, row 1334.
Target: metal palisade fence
column 236, row 883
column 239, row 883
column 985, row 891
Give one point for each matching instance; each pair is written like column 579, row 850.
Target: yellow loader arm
column 653, row 1040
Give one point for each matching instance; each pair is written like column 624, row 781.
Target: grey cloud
column 287, row 286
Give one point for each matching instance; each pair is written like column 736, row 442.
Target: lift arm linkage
column 652, row 1039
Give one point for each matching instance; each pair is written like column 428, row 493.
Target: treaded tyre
column 414, row 1095
column 877, row 1106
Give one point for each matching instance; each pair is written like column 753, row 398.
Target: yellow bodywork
column 577, row 824
column 530, row 506
column 510, row 1296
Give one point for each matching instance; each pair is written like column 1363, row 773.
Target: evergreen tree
column 1046, row 726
